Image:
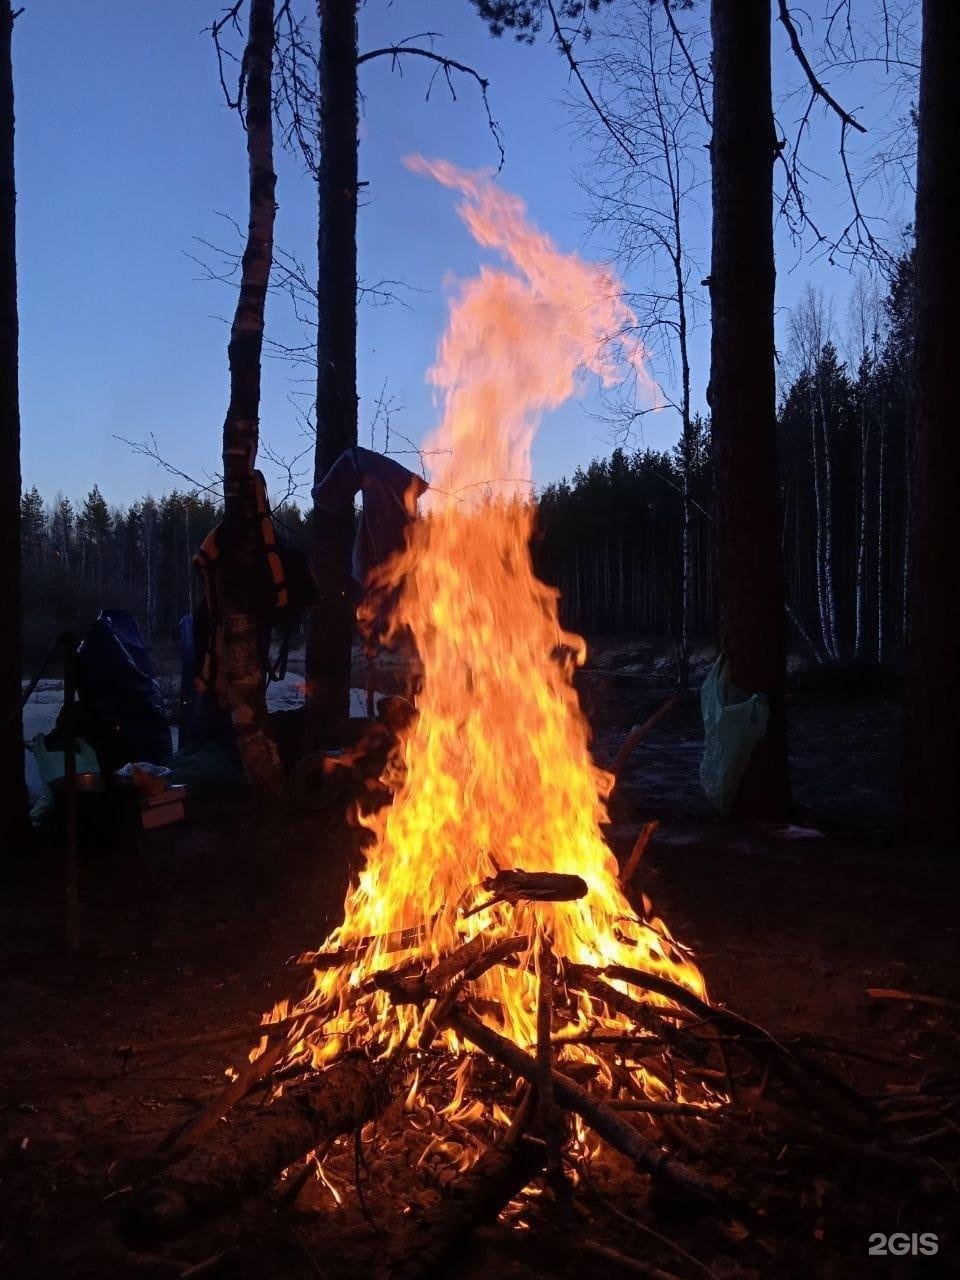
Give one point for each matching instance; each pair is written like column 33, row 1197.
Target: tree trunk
column 829, row 575
column 331, row 625
column 818, row 515
column 242, row 610
column 932, row 693
column 881, row 540
column 742, row 386
column 13, row 796
column 686, row 454
column 861, row 570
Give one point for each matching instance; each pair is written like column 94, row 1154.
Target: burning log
column 651, row 1018
column 498, row 953
column 417, row 988
column 530, row 886
column 397, row 940
column 426, row 1246
column 247, row 1154
column 646, row 1155
column 551, row 1123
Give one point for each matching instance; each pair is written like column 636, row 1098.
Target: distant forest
column 610, row 538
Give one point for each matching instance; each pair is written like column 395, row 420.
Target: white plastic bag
column 733, row 723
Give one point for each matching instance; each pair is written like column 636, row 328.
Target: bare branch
column 816, row 85
column 697, row 79
column 566, row 48
column 150, row 449
column 230, row 18
column 446, row 65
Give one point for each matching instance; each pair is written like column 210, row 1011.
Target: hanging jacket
column 390, row 496
column 285, row 588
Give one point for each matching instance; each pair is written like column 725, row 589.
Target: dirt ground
column 198, row 935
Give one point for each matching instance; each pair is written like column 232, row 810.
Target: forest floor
column 789, row 931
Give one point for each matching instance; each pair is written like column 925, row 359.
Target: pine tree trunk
column 881, row 539
column 242, row 611
column 906, row 560
column 331, row 627
column 932, row 702
column 742, row 386
column 13, row 796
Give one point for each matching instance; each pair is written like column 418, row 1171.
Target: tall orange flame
column 497, row 764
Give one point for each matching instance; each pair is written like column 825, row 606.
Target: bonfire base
column 249, row 1153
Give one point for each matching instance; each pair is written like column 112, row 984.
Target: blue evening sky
column 126, row 153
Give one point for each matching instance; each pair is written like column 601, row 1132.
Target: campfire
column 491, row 989
column 490, row 866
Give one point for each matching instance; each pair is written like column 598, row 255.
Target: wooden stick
column 644, row 1015
column 421, row 987
column 397, row 940
column 495, row 954
column 210, row 1116
column 646, row 1155
column 636, row 853
column 805, row 1131
column 550, row 1123
column 658, row 1108
column 639, row 732
column 625, row 1263
column 891, row 993
column 245, row 1031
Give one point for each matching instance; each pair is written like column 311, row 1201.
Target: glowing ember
column 497, row 771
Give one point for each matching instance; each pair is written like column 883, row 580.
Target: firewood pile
column 658, row 1074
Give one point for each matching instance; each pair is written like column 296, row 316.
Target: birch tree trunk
column 742, row 386
column 861, row 571
column 829, row 575
column 686, row 444
column 822, row 611
column 331, row 625
column 932, row 702
column 13, row 796
column 242, row 616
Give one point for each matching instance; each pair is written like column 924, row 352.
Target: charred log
column 428, row 1246
column 245, row 1155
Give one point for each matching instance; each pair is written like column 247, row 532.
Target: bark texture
column 933, row 692
column 331, row 629
column 13, row 796
column 742, row 385
column 246, row 1154
column 430, row 1245
column 243, row 606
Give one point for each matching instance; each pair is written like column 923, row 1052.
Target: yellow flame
column 497, row 767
